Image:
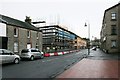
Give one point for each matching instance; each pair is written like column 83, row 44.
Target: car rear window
column 33, row 50
column 24, row 51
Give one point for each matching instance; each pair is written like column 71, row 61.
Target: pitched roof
column 17, row 23
column 112, row 7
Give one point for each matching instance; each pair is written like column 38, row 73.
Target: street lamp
column 88, row 36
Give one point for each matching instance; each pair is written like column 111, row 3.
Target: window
column 113, row 30
column 15, row 32
column 28, row 34
column 113, row 44
column 37, row 35
column 15, row 47
column 113, row 16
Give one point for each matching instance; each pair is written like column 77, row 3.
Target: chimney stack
column 28, row 20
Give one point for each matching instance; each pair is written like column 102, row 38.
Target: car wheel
column 32, row 58
column 16, row 61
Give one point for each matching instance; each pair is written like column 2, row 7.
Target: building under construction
column 56, row 38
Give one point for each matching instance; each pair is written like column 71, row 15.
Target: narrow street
column 48, row 67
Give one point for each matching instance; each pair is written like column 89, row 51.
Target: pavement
column 97, row 66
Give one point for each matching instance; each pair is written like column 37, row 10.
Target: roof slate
column 17, row 23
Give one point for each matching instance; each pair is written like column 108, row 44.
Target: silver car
column 7, row 56
column 31, row 54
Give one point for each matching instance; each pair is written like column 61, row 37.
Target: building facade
column 80, row 43
column 56, row 38
column 110, row 32
column 20, row 35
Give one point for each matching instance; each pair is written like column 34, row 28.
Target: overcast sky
column 70, row 13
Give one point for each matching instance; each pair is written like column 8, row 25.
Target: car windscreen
column 24, row 51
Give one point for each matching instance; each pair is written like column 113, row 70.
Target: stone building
column 110, row 32
column 57, row 38
column 20, row 35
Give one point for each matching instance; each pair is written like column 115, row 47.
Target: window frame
column 37, row 35
column 113, row 16
column 16, row 47
column 28, row 34
column 15, row 32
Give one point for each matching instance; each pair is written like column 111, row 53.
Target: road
column 48, row 67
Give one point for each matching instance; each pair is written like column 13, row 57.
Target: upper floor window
column 28, row 34
column 113, row 30
column 113, row 16
column 15, row 32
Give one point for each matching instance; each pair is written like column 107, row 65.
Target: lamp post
column 88, row 36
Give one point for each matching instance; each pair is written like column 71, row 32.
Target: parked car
column 7, row 56
column 31, row 54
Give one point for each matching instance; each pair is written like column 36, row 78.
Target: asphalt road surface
column 49, row 67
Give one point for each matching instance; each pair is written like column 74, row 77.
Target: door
column 28, row 46
column 4, row 42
